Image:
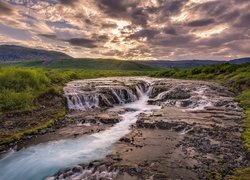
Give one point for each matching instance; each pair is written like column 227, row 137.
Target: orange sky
column 130, row 29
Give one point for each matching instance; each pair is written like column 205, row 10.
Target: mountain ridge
column 185, row 64
column 15, row 53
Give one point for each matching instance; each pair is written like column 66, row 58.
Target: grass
column 244, row 99
column 21, row 87
column 84, row 64
column 5, row 139
column 237, row 79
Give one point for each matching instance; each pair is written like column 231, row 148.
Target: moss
column 20, row 87
column 39, row 83
column 237, row 79
column 6, row 139
column 241, row 174
column 214, row 175
column 244, row 100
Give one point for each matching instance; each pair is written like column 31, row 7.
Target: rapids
column 137, row 95
column 40, row 161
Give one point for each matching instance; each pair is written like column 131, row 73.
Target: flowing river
column 43, row 160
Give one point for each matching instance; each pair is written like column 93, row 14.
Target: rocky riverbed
column 193, row 134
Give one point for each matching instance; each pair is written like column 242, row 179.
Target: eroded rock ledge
column 195, row 134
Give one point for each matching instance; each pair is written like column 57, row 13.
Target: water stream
column 43, row 160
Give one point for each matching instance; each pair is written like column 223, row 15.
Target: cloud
column 87, row 43
column 109, row 26
column 172, row 6
column 130, row 29
column 49, row 36
column 174, row 41
column 170, row 30
column 69, row 2
column 145, row 33
column 5, row 10
column 124, row 9
column 244, row 20
column 201, row 22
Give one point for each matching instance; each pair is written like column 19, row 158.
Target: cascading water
column 38, row 162
column 101, row 96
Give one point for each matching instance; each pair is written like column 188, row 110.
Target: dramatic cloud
column 88, row 43
column 200, row 22
column 130, row 29
column 170, row 30
column 68, row 2
column 144, row 33
column 49, row 36
column 5, row 9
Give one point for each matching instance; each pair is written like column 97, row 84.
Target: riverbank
column 47, row 134
column 195, row 131
column 177, row 141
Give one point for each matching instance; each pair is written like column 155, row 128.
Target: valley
column 137, row 127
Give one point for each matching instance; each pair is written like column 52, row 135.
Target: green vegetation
column 31, row 130
column 244, row 99
column 237, row 79
column 26, row 90
column 20, row 87
column 85, row 64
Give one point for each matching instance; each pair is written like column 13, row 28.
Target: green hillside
column 237, row 79
column 85, row 64
column 26, row 89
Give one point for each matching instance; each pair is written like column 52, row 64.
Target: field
column 25, row 89
column 84, row 64
column 237, row 79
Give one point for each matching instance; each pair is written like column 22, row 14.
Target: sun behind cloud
column 130, row 29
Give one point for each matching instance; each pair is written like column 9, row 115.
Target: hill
column 85, row 64
column 185, row 64
column 240, row 61
column 15, row 53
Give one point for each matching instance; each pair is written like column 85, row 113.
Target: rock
column 125, row 139
column 109, row 121
column 77, row 169
column 138, row 170
column 102, row 168
column 185, row 103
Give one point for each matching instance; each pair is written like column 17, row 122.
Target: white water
column 38, row 162
column 203, row 101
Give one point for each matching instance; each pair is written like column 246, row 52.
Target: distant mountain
column 16, row 53
column 240, row 61
column 83, row 63
column 184, row 64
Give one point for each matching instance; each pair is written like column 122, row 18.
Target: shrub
column 11, row 101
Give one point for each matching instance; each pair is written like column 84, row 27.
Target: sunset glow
column 125, row 29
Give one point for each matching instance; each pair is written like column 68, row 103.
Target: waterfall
column 38, row 162
column 80, row 97
column 46, row 159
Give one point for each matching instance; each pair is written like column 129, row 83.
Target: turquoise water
column 38, row 162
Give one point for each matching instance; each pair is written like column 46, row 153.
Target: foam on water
column 203, row 101
column 40, row 161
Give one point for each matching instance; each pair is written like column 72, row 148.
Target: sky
column 130, row 29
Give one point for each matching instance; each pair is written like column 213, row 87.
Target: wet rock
column 77, row 169
column 109, row 121
column 125, row 139
column 185, row 103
